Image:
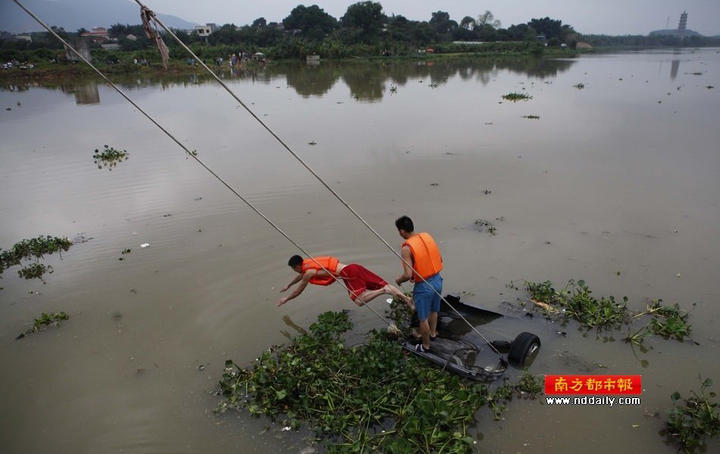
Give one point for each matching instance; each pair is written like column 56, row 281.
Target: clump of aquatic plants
column 44, row 321
column 367, row 398
column 35, row 271
column 401, row 315
column 109, row 157
column 575, row 301
column 34, row 248
column 514, row 97
column 669, row 322
column 693, row 419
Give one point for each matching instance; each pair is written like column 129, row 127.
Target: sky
column 613, row 17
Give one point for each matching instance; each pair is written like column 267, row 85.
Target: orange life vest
column 427, row 260
column 327, row 262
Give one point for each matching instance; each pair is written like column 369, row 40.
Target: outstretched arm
column 407, row 270
column 299, row 289
column 295, row 280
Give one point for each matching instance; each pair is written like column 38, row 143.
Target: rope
column 267, row 128
column 187, row 151
column 309, row 169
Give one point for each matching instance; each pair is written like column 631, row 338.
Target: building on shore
column 681, row 31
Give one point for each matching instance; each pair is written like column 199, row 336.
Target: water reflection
column 368, row 81
column 674, row 69
column 85, row 93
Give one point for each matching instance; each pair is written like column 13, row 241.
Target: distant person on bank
column 362, row 284
column 421, row 251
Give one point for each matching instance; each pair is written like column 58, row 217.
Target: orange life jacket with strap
column 427, row 260
column 327, row 262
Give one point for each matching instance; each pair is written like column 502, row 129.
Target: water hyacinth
column 367, row 398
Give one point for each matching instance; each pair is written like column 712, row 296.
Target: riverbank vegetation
column 363, row 31
column 366, row 398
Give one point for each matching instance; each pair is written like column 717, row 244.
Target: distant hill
column 74, row 14
column 674, row 32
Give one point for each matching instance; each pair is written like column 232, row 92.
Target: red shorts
column 357, row 279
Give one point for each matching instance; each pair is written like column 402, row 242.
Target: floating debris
column 312, row 143
column 514, row 97
column 532, row 117
column 483, row 225
column 579, row 86
column 144, row 245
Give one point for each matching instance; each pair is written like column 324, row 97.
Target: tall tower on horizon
column 683, row 21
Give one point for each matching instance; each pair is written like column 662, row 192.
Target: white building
column 205, row 30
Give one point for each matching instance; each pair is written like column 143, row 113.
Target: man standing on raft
column 362, row 284
column 421, row 251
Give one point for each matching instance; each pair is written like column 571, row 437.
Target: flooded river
column 617, row 183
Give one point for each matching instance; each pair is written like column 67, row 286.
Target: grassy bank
column 122, row 63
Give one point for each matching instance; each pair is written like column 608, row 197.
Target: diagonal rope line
column 309, row 169
column 188, row 152
column 249, row 204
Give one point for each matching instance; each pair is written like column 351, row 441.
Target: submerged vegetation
column 514, row 97
column 35, row 248
column 366, row 398
column 44, row 321
column 109, row 157
column 693, row 419
column 575, row 301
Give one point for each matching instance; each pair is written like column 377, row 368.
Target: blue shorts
column 426, row 300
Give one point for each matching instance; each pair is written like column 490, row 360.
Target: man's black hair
column 404, row 223
column 294, row 261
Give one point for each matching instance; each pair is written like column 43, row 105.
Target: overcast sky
column 615, row 17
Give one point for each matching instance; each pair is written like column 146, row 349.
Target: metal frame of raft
column 519, row 352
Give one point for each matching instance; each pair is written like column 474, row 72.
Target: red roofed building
column 97, row 34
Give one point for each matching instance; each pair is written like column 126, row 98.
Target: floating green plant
column 109, row 157
column 35, row 271
column 34, row 248
column 514, row 97
column 692, row 420
column 575, row 301
column 367, row 398
column 44, row 321
column 669, row 322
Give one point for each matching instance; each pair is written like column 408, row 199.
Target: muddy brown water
column 622, row 176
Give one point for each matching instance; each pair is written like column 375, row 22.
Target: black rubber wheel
column 524, row 346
